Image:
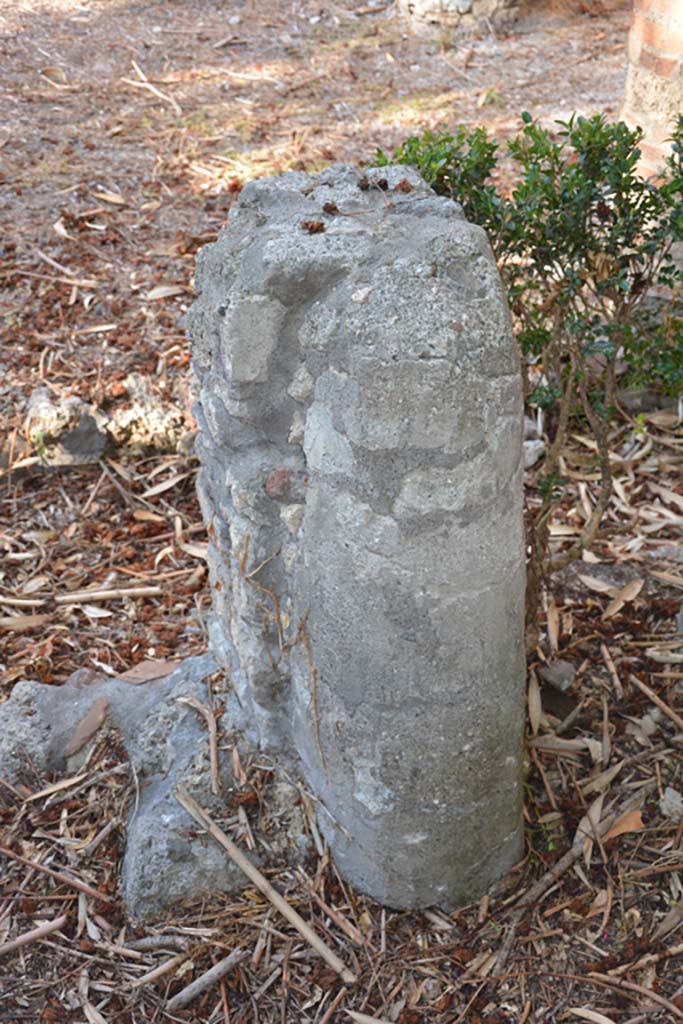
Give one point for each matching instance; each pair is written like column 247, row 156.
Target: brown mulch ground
column 125, row 131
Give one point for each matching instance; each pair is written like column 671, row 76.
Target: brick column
column 654, row 85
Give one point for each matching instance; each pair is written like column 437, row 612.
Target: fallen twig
column 664, row 708
column 264, row 886
column 161, row 970
column 209, row 716
column 157, row 92
column 205, row 981
column 619, row 985
column 75, row 883
column 36, row 933
column 83, row 596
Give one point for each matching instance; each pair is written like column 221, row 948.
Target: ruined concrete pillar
column 360, row 411
column 654, row 85
column 436, row 18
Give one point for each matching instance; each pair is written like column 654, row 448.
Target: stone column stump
column 360, row 417
column 434, row 18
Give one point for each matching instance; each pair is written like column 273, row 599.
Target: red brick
column 651, row 159
column 659, row 10
column 279, row 484
column 667, row 41
column 665, row 67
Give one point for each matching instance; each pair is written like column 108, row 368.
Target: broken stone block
column 439, row 18
column 66, row 431
column 167, row 745
column 360, row 413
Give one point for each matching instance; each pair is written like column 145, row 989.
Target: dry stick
column 82, row 596
column 563, row 864
column 154, row 942
column 612, row 669
column 23, row 602
column 349, row 929
column 93, row 493
column 90, row 848
column 333, row 1005
column 36, row 933
column 161, row 970
column 264, row 886
column 75, row 883
column 629, row 986
column 209, row 716
column 650, row 958
column 664, row 708
column 157, row 92
column 205, row 981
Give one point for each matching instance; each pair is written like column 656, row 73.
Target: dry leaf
column 144, row 516
column 602, row 780
column 598, row 905
column 166, row 291
column 93, row 612
column 87, row 727
column 93, row 1014
column 588, row 827
column 363, row 1018
column 35, row 584
column 624, row 596
column 595, row 749
column 553, row 626
column 665, row 656
column 145, row 671
column 54, row 75
column 111, row 197
column 630, row 822
column 669, row 577
column 534, row 702
column 670, row 921
column 557, row 743
column 599, row 586
column 196, row 550
column 664, row 492
column 56, row 787
column 166, row 485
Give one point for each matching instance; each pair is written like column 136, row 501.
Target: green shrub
column 579, row 241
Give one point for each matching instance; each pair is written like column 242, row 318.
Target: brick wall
column 654, row 85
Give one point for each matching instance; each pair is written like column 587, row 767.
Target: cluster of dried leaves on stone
column 127, row 130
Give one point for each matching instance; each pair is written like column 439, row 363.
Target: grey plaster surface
column 361, row 443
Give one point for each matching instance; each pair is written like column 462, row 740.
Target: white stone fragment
column 302, row 385
column 671, row 804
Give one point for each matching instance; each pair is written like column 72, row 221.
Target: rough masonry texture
column 436, row 17
column 653, row 97
column 361, row 416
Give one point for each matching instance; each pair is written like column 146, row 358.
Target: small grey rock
column 671, row 804
column 533, row 451
column 558, row 674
